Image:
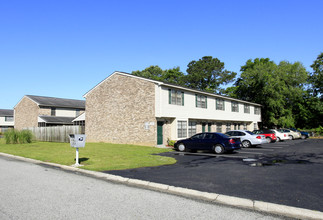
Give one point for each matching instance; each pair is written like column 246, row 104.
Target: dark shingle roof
column 57, row 119
column 57, row 102
column 6, row 112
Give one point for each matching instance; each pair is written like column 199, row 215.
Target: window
column 246, row 108
column 201, row 101
column 191, row 128
column 218, row 127
column 181, row 129
column 8, row 118
column 198, row 137
column 244, row 126
column 228, row 128
column 77, row 112
column 234, row 106
column 176, row 97
column 53, row 112
column 219, row 104
column 257, row 111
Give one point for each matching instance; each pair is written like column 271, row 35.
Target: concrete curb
column 272, row 208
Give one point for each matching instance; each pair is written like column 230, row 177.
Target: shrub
column 171, row 142
column 13, row 136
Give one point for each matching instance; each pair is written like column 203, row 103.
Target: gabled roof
column 171, row 86
column 6, row 112
column 56, row 119
column 57, row 102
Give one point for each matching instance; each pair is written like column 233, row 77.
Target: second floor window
column 246, row 108
column 234, row 106
column 257, row 111
column 201, row 101
column 176, row 97
column 53, row 112
column 8, row 118
column 219, row 104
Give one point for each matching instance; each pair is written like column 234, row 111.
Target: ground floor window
column 228, row 128
column 181, row 129
column 191, row 128
column 81, row 123
column 41, row 124
column 218, row 127
column 244, row 126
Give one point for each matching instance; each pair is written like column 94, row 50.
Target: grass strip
column 95, row 156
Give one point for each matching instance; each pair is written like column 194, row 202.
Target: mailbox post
column 77, row 141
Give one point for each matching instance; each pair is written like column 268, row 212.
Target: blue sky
column 63, row 48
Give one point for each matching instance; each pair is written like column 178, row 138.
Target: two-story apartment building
column 6, row 119
column 128, row 109
column 41, row 111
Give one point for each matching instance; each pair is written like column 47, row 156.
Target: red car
column 269, row 134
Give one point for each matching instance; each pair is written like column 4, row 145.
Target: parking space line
column 260, row 149
column 210, row 155
column 250, row 152
column 273, row 147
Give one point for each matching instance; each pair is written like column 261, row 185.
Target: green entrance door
column 203, row 127
column 160, row 132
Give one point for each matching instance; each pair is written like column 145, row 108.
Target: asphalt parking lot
column 288, row 173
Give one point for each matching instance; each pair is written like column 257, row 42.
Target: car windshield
column 249, row 132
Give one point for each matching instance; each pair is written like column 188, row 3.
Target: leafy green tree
column 174, row 76
column 317, row 76
column 152, row 72
column 278, row 88
column 208, row 74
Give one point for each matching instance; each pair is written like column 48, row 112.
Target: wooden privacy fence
column 57, row 133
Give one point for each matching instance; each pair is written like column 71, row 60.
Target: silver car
column 247, row 138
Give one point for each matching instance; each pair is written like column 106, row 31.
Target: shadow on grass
column 82, row 159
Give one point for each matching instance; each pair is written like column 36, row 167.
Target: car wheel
column 278, row 139
column 303, row 137
column 181, row 147
column 268, row 139
column 291, row 137
column 218, row 149
column 246, row 144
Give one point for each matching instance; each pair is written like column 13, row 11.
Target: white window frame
column 257, row 110
column 176, row 97
column 234, row 106
column 220, row 104
column 246, row 108
column 181, row 129
column 201, row 101
column 191, row 128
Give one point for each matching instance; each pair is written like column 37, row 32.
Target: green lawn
column 95, row 156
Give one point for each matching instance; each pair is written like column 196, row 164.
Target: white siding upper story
column 6, row 121
column 63, row 112
column 190, row 111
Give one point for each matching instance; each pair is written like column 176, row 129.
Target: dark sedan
column 216, row 142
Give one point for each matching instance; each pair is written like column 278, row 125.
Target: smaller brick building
column 41, row 111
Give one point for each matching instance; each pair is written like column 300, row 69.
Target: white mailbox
column 77, row 140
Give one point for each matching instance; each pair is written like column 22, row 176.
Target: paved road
column 29, row 191
column 288, row 173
